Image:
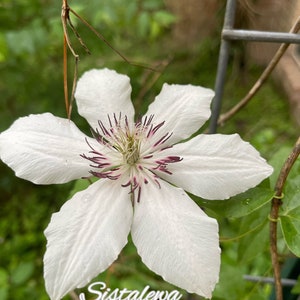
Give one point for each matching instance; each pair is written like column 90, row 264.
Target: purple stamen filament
column 125, row 155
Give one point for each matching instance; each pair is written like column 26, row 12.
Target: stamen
column 163, row 139
column 105, row 175
column 109, row 120
column 157, row 182
column 126, row 161
column 139, row 195
column 154, row 130
column 126, row 184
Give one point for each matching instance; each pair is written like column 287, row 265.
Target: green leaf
column 290, row 226
column 254, row 242
column 3, row 48
column 164, row 18
column 231, row 284
column 22, row 273
column 4, row 284
column 253, row 230
column 3, row 277
column 240, row 205
column 290, row 210
column 278, row 160
column 296, row 288
column 80, row 185
column 291, row 194
column 143, row 22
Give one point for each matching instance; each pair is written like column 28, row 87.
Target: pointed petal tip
column 217, row 166
column 85, row 237
column 182, row 108
column 101, row 92
column 177, row 240
column 35, row 143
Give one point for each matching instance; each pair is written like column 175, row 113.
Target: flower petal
column 45, row 149
column 184, row 108
column 176, row 239
column 216, row 166
column 100, row 93
column 86, row 236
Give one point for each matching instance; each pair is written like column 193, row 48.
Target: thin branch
column 276, row 203
column 101, row 37
column 66, row 21
column 65, row 71
column 258, row 84
column 65, row 18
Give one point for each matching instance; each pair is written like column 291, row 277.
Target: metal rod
column 222, row 67
column 260, row 36
column 229, row 34
column 284, row 281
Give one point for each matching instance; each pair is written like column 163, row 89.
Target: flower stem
column 274, row 214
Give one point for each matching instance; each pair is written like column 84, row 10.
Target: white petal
column 100, row 93
column 176, row 239
column 184, row 108
column 216, row 166
column 45, row 149
column 86, row 236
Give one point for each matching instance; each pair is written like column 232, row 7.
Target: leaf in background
column 291, row 195
column 290, row 225
column 4, row 284
column 3, row 48
column 296, row 288
column 143, row 22
column 290, row 210
column 240, row 205
column 231, row 284
column 164, row 18
column 22, row 273
column 277, row 162
column 80, row 185
column 255, row 242
column 30, row 40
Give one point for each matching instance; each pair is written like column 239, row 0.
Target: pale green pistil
column 132, row 152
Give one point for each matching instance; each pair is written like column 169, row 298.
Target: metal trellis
column 230, row 34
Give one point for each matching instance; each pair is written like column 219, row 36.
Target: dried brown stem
column 258, row 84
column 274, row 214
column 65, row 70
column 101, row 37
column 65, row 18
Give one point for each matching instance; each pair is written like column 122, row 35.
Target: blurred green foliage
column 32, row 82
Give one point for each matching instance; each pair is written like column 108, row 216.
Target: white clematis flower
column 143, row 171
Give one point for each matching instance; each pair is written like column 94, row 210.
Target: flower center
column 132, row 154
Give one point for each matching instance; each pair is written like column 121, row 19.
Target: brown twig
column 276, row 203
column 258, row 84
column 101, row 37
column 66, row 21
